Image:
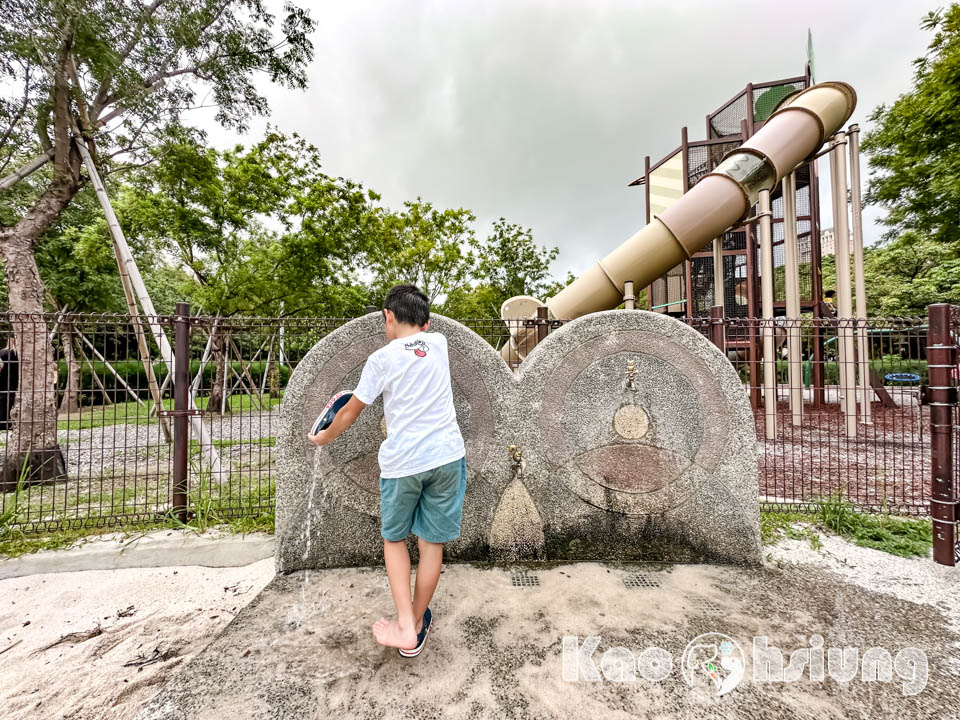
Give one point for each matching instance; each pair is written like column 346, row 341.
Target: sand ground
column 107, row 619
column 302, row 648
column 242, row 643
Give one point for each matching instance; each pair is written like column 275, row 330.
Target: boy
column 423, row 475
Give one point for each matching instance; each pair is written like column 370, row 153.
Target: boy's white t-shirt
column 413, row 373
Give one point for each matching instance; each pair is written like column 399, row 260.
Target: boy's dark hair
column 408, row 304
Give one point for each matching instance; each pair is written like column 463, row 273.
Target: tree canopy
column 914, row 158
column 914, row 149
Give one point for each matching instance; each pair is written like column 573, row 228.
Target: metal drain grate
column 640, row 580
column 522, row 578
column 709, row 606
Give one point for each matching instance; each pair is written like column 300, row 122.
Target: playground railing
column 131, row 452
column 838, row 423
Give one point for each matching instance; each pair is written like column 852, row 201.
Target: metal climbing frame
column 689, row 289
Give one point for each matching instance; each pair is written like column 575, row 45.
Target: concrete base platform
column 159, row 548
column 303, row 648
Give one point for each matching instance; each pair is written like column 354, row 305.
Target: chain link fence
column 115, row 419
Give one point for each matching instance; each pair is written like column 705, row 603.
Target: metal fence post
column 941, row 362
column 716, row 327
column 541, row 323
column 181, row 408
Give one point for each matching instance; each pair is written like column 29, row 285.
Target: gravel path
column 135, row 450
column 918, row 580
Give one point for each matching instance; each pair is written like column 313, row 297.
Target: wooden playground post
column 717, row 334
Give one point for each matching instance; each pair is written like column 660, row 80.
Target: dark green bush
column 134, row 374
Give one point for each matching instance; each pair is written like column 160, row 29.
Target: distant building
column 828, row 243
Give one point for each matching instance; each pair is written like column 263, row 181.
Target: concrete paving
column 161, row 548
column 303, row 648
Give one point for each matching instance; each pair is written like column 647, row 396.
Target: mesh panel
column 726, row 121
column 805, row 269
column 801, row 198
column 697, row 165
column 702, row 159
column 735, row 285
column 779, row 273
column 803, row 201
column 668, row 291
column 735, row 240
column 701, row 276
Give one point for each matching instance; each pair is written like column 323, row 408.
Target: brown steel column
column 716, row 328
column 685, row 186
column 541, row 323
column 181, row 405
column 646, row 191
column 941, row 362
column 753, row 312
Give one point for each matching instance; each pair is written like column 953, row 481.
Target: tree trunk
column 274, row 380
column 32, row 440
column 70, row 402
column 217, row 400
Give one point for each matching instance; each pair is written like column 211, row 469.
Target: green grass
column 132, row 413
column 903, row 536
column 206, row 510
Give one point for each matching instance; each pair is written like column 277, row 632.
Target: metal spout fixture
column 631, row 376
column 519, row 464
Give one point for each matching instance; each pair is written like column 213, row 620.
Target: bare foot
column 389, row 633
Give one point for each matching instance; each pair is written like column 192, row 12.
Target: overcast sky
column 542, row 111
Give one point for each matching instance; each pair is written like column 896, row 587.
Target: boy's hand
column 321, row 438
column 341, row 421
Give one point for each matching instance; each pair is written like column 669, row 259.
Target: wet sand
column 303, row 647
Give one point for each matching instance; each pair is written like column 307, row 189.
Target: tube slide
column 723, row 198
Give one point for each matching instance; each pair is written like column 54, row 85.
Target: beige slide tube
column 721, row 199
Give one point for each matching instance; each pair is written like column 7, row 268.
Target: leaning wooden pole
column 97, row 354
column 128, row 294
column 128, row 268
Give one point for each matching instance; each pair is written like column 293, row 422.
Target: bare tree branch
column 98, row 101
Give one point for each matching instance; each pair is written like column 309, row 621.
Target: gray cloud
column 542, row 111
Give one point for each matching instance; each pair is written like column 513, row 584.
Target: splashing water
column 307, row 525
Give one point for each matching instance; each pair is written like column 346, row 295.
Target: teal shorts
column 428, row 504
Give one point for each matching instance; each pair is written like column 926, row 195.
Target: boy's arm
column 341, row 421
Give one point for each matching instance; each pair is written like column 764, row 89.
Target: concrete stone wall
column 665, row 470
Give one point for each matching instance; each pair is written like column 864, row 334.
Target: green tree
column 513, row 263
column 433, row 249
column 509, row 263
column 212, row 210
column 914, row 150
column 115, row 76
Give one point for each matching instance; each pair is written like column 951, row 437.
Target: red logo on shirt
column 419, row 347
